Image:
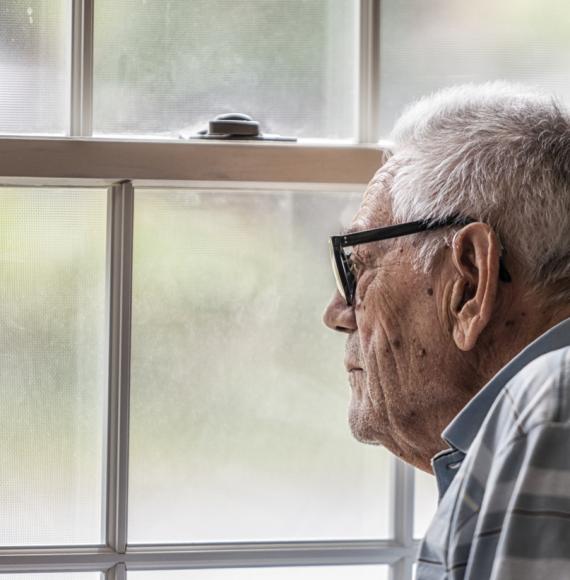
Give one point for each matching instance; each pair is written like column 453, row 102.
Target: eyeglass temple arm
column 398, row 230
column 411, row 228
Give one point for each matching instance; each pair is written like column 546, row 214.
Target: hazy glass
column 429, row 45
column 52, row 365
column 162, row 66
column 34, row 66
column 425, row 502
column 296, row 573
column 239, row 397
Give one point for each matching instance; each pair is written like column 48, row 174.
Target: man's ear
column 475, row 254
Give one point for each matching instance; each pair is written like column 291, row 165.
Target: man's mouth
column 352, row 366
column 352, row 355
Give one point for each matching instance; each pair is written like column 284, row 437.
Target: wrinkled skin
column 420, row 345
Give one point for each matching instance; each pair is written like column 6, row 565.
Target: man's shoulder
column 539, row 394
column 540, row 389
column 551, row 365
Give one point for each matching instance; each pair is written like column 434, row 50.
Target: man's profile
column 453, row 288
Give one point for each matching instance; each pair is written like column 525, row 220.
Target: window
column 172, row 407
column 279, row 573
column 242, row 424
column 34, row 66
column 427, row 46
column 53, row 369
column 290, row 64
column 54, row 576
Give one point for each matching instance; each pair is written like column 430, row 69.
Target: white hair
column 499, row 153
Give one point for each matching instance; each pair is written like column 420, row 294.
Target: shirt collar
column 464, row 427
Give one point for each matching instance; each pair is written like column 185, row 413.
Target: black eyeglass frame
column 345, row 279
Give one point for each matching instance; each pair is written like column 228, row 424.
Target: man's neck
column 520, row 325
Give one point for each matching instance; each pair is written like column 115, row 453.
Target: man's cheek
column 366, row 288
column 375, row 354
column 366, row 340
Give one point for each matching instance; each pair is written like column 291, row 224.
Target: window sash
column 367, row 105
column 109, row 161
column 206, row 556
column 116, row 555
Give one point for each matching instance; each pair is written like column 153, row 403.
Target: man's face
column 397, row 353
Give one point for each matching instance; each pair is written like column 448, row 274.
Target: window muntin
column 53, row 372
column 34, row 66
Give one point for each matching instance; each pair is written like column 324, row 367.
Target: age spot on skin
column 509, row 323
column 430, row 291
column 397, row 343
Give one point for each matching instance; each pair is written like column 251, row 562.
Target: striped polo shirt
column 504, row 483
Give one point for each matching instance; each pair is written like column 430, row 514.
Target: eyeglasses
column 343, row 267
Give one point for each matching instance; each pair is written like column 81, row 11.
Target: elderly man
column 455, row 302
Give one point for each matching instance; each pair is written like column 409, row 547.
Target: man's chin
column 362, row 428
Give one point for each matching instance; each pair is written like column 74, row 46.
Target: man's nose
column 338, row 315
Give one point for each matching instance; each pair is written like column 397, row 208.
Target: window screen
column 239, row 396
column 277, row 573
column 34, row 66
column 426, row 497
column 166, row 65
column 53, row 365
column 430, row 45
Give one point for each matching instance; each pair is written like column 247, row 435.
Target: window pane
column 52, row 370
column 239, row 397
column 429, row 45
column 54, row 576
column 425, row 502
column 165, row 65
column 297, row 573
column 34, row 66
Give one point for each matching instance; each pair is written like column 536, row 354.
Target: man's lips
column 352, row 366
column 352, row 354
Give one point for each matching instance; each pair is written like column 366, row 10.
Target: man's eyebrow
column 350, row 230
column 357, row 229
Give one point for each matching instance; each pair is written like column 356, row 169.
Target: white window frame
column 121, row 166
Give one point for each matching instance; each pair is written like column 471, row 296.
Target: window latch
column 236, row 126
